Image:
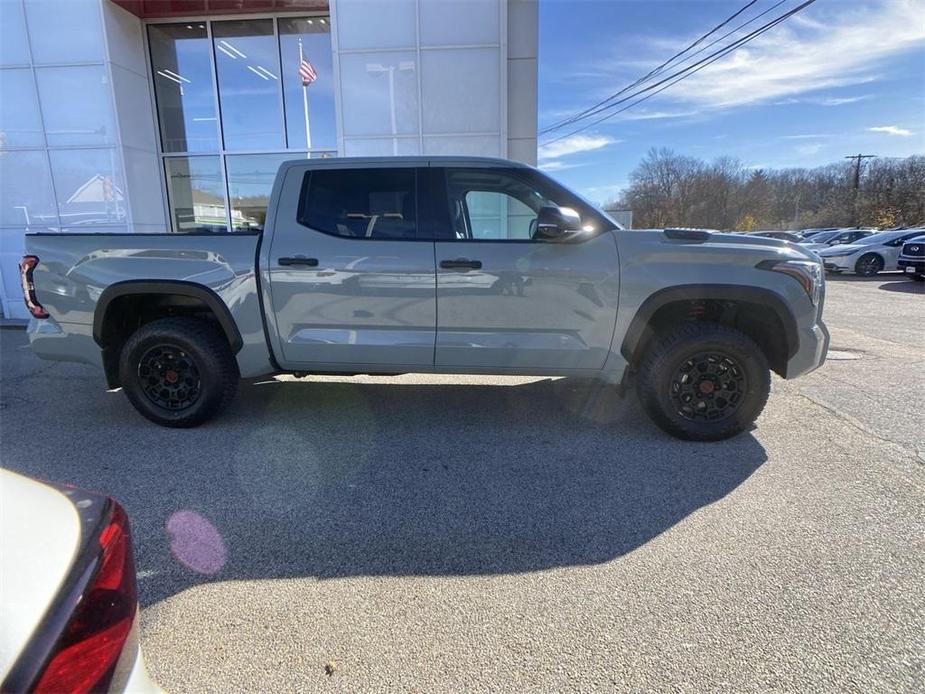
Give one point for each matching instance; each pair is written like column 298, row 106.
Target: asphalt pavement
column 437, row 533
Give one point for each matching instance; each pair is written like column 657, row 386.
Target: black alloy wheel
column 169, row 377
column 708, row 386
column 869, row 265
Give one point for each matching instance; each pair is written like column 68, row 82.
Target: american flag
column 307, row 72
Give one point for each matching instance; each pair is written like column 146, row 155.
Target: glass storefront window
column 183, row 87
column 196, row 193
column 27, row 198
column 89, row 187
column 76, row 105
column 309, row 109
column 247, row 63
column 250, row 180
column 20, row 122
column 230, row 112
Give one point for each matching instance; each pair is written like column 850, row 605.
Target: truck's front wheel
column 704, row 382
column 178, row 372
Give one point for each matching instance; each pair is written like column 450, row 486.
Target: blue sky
column 841, row 77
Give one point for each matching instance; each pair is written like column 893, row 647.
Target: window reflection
column 309, row 108
column 76, row 105
column 247, row 63
column 27, row 199
column 89, row 187
column 183, row 87
column 380, row 93
column 20, row 123
column 196, row 193
column 250, row 180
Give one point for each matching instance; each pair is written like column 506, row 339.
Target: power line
column 652, row 73
column 686, row 72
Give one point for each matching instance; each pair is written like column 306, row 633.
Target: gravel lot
column 450, row 533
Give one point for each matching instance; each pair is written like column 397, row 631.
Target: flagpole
column 308, row 132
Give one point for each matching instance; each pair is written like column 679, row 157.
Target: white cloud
column 891, row 130
column 556, row 165
column 808, row 136
column 825, row 100
column 828, row 46
column 809, row 150
column 574, row 144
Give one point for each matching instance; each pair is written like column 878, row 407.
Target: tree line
column 669, row 189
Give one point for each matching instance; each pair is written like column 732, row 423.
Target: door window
column 361, row 203
column 492, row 205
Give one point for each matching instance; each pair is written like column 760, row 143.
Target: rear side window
column 361, row 203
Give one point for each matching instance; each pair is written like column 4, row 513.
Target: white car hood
column 39, row 537
column 844, row 248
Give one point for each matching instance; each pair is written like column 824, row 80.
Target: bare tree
column 668, row 189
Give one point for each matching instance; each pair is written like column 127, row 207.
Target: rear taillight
column 85, row 657
column 26, row 266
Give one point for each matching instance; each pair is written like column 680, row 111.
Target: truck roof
column 354, row 162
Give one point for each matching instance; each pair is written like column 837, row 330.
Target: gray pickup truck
column 437, row 265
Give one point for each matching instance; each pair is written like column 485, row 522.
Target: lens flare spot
column 196, row 543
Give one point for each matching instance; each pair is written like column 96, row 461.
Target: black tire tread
column 212, row 341
column 654, row 363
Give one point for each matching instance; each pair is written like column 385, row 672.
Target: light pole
column 379, row 69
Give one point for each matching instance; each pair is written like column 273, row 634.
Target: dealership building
column 142, row 116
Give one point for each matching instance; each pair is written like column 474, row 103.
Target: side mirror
column 555, row 223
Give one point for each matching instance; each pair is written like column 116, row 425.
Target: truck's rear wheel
column 178, row 372
column 704, row 382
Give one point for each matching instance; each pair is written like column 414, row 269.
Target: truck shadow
column 339, row 479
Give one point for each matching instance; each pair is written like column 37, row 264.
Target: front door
column 506, row 301
column 351, row 286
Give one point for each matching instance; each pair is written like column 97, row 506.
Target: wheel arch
column 760, row 313
column 147, row 300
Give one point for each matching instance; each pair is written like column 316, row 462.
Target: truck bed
column 76, row 270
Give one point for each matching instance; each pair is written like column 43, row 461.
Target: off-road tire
column 868, row 265
column 199, row 343
column 667, row 354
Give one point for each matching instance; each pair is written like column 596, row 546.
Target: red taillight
column 85, row 657
column 26, row 266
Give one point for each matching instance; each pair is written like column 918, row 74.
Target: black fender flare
column 178, row 287
column 692, row 292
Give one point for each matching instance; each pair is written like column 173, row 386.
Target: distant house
column 621, row 215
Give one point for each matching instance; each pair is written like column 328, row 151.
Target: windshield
column 821, row 237
column 876, row 238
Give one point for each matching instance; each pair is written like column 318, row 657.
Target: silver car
column 870, row 255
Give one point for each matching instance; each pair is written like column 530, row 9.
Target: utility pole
column 857, row 182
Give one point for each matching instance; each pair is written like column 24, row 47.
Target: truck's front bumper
column 814, row 345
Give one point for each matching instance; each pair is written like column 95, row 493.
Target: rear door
column 506, row 301
column 350, row 283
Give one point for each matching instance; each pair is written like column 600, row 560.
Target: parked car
column 838, row 237
column 68, row 605
column 912, row 258
column 519, row 276
column 808, row 233
column 788, row 236
column 870, row 255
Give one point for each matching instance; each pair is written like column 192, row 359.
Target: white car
column 870, row 255
column 836, row 237
column 68, row 601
